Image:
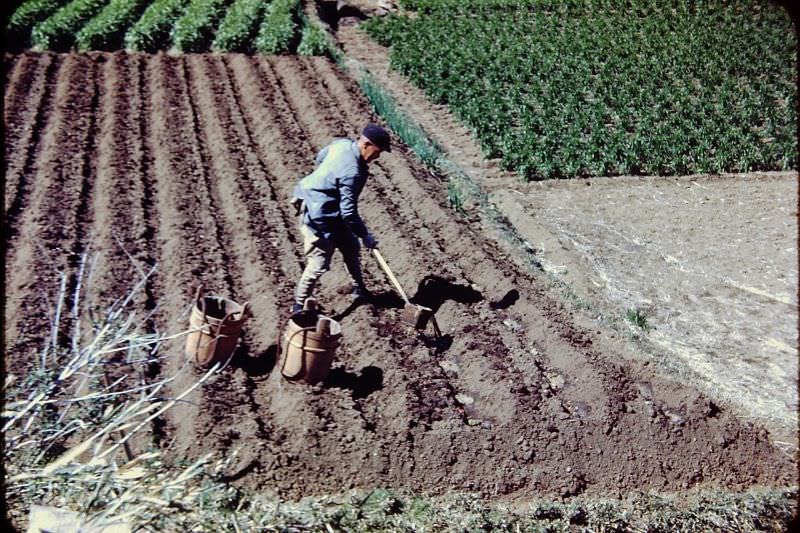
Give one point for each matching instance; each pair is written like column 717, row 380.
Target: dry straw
column 66, row 424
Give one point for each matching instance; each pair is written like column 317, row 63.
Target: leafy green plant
column 152, row 31
column 638, row 318
column 25, row 17
column 58, row 31
column 313, row 41
column 106, row 30
column 194, row 30
column 236, row 32
column 278, row 30
column 566, row 89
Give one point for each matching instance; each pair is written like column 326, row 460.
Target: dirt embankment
column 187, row 162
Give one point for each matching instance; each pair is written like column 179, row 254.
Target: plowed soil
column 187, row 163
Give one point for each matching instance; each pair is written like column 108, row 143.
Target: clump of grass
column 412, row 134
column 455, row 197
column 638, row 318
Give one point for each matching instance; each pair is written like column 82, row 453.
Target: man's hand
column 370, row 241
column 297, row 203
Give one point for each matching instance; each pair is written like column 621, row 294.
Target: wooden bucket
column 310, row 342
column 215, row 325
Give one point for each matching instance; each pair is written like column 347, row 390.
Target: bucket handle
column 222, row 323
column 302, row 360
column 229, row 315
column 198, row 299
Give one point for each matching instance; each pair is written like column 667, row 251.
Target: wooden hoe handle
column 385, row 267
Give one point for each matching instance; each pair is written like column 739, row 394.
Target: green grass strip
column 278, row 30
column 194, row 30
column 313, row 41
column 408, row 130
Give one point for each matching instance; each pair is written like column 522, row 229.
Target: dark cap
column 378, row 136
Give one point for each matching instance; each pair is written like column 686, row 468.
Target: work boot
column 360, row 293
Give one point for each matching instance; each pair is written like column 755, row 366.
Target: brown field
column 187, row 163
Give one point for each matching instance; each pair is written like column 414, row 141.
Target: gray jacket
column 330, row 193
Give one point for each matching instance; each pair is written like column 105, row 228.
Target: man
column 327, row 199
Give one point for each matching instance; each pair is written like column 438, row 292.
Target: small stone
column 675, row 418
column 473, row 422
column 529, row 455
column 449, row 366
column 556, row 381
column 463, row 399
column 513, row 325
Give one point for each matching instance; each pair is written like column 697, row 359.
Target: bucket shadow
column 255, row 365
column 361, row 385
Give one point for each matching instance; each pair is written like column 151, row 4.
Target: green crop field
column 562, row 89
column 265, row 26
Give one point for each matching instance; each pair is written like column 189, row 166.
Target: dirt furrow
column 273, row 221
column 20, row 98
column 50, row 234
column 119, row 220
column 185, row 233
column 258, row 108
column 238, row 218
column 325, row 422
column 27, row 107
column 145, row 187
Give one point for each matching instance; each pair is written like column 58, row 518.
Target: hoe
column 413, row 314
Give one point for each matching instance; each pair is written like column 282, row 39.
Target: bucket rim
column 336, row 326
column 233, row 309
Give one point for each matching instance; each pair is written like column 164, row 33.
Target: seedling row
column 249, row 26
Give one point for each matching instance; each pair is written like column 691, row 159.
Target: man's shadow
column 378, row 300
column 257, row 365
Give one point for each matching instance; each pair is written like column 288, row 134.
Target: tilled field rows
column 186, row 163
